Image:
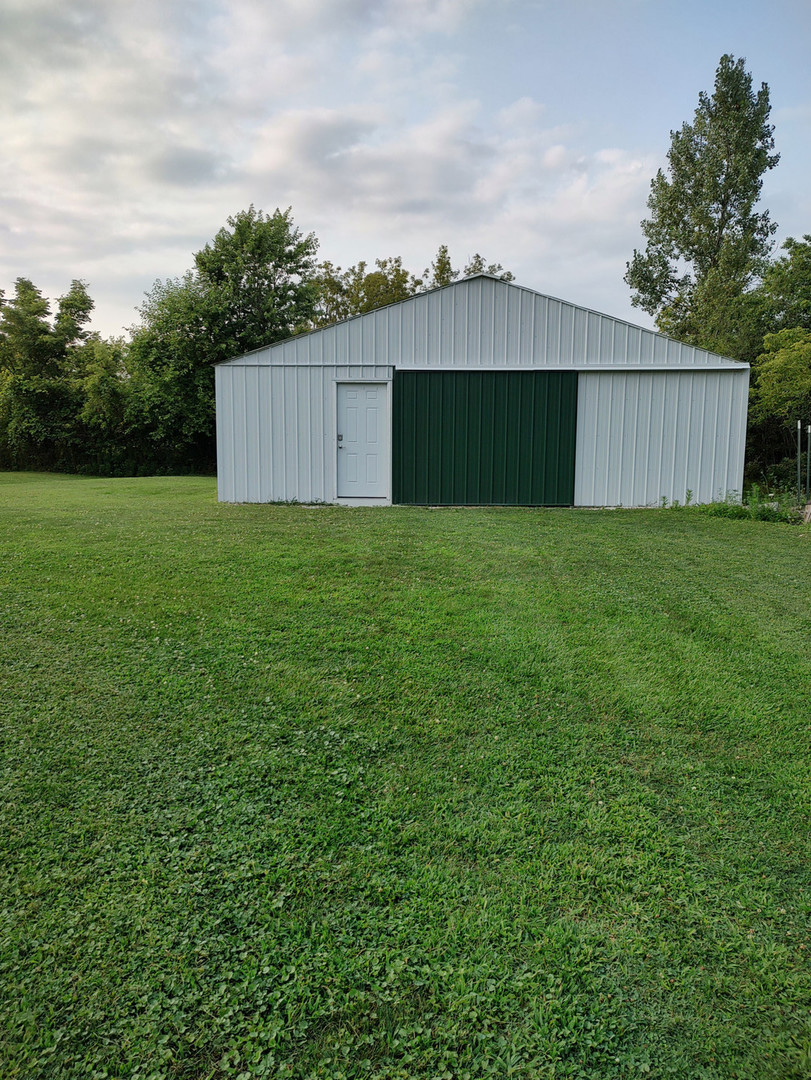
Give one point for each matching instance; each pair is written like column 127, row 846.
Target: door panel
column 363, row 451
column 484, row 437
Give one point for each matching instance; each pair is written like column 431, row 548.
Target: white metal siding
column 276, row 430
column 645, row 436
column 483, row 322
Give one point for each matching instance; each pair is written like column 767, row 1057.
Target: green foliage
column 786, row 288
column 333, row 302
column 72, row 316
column 396, row 794
column 30, row 343
column 389, row 283
column 69, row 400
column 38, row 420
column 477, row 265
column 777, row 506
column 105, row 385
column 343, row 293
column 357, row 290
column 26, row 336
column 256, row 280
column 782, row 378
column 441, row 271
column 170, row 404
column 41, row 365
column 706, row 243
column 723, row 319
column 782, row 303
column 251, row 286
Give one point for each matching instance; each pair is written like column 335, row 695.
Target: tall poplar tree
column 706, row 242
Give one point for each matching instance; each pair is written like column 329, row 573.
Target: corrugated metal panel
column 484, row 323
column 475, row 437
column 276, row 430
column 647, row 436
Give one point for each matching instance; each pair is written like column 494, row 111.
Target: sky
column 526, row 130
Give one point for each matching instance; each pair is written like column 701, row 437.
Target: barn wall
column 647, row 436
column 276, row 430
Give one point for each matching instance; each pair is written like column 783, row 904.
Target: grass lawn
column 399, row 793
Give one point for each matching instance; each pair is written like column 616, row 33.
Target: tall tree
column 706, row 242
column 441, row 271
column 26, row 336
column 251, row 286
column 333, row 303
column 40, row 369
column 170, row 406
column 70, row 331
column 257, row 277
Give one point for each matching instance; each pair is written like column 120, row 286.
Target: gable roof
column 484, row 322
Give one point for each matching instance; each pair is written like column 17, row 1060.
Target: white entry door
column 363, row 444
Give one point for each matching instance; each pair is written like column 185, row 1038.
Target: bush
column 779, row 505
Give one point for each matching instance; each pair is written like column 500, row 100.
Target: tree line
column 73, row 401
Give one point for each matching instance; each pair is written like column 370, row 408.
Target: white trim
column 598, row 368
column 362, row 502
column 730, row 365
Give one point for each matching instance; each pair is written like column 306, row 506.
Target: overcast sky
column 527, row 130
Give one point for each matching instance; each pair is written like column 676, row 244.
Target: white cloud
column 441, row 16
column 129, row 133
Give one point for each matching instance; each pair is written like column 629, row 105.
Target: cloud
column 524, row 194
column 186, row 166
column 129, row 136
column 433, row 16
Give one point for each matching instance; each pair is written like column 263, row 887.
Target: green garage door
column 484, row 437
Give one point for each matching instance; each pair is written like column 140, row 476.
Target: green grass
column 316, row 792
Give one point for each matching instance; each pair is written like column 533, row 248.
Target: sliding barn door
column 484, row 437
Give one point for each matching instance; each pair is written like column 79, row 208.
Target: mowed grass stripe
column 305, row 792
